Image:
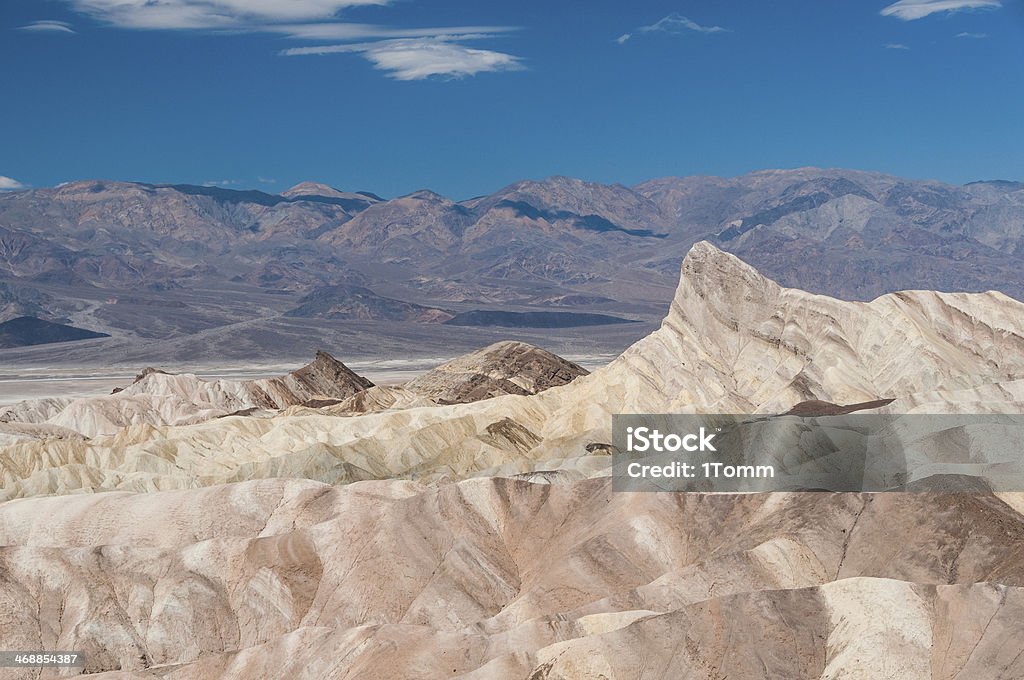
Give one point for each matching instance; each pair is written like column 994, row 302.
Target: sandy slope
column 498, row 578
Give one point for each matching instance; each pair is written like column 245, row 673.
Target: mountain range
column 154, row 265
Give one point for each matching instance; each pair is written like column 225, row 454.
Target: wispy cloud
column 421, row 58
column 404, row 53
column 348, row 31
column 896, row 46
column 10, row 184
column 266, row 180
column 909, row 10
column 48, row 26
column 215, row 14
column 673, row 23
column 222, row 183
column 975, row 36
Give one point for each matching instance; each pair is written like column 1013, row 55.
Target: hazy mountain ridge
column 69, row 250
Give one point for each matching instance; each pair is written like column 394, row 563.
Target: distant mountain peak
column 426, row 195
column 95, row 188
column 319, row 189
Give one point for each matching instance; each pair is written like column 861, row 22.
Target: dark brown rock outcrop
column 502, row 368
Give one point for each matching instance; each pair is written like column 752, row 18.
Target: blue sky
column 466, row 96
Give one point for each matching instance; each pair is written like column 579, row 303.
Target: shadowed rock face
column 502, row 368
column 817, row 407
column 28, row 330
column 484, row 540
column 357, row 302
column 324, row 376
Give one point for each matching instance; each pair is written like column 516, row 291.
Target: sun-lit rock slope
column 502, row 578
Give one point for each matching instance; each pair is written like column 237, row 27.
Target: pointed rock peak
column 324, row 360
column 426, row 195
column 327, row 376
column 324, row 357
column 705, row 265
column 318, row 189
column 148, row 371
column 565, row 181
column 723, row 281
column 315, row 188
column 508, row 367
column 702, row 251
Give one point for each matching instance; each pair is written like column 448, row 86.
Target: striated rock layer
column 160, row 398
column 500, row 578
column 499, row 369
column 483, row 540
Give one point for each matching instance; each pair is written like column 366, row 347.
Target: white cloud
column 404, row 53
column 896, row 46
column 976, row 36
column 10, row 184
column 673, row 23
column 48, row 26
column 299, row 19
column 348, row 48
column 266, row 180
column 347, row 31
column 909, row 10
column 421, row 58
column 178, row 14
column 222, row 183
